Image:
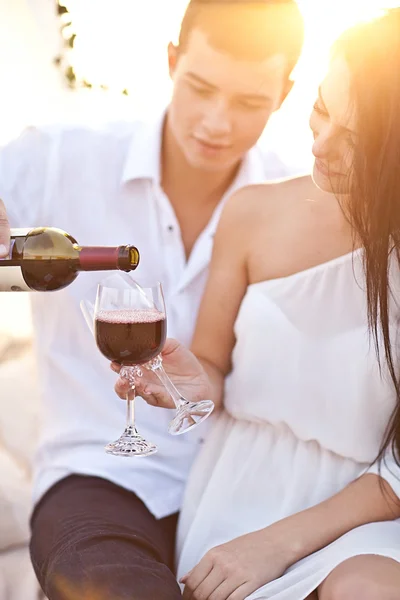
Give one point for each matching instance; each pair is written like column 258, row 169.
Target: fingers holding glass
column 129, row 326
column 188, row 414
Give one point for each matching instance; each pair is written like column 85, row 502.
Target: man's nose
column 216, row 121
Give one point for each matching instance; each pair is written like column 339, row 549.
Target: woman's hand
column 184, row 370
column 236, row 569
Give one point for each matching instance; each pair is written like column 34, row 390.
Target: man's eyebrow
column 254, row 97
column 324, row 107
column 200, row 80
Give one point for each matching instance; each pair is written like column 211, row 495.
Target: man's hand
column 4, row 231
column 184, row 370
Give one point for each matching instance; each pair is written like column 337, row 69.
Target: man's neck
column 185, row 184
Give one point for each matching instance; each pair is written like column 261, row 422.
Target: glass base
column 131, row 444
column 190, row 415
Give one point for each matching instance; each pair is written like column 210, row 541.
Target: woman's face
column 333, row 125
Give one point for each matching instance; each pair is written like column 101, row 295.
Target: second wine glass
column 188, row 414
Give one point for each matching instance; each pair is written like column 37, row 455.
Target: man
column 104, row 527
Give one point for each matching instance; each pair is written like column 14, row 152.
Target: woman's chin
column 321, row 181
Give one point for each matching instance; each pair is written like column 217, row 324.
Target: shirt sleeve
column 23, row 176
column 389, row 470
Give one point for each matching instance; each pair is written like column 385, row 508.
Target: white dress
column 305, row 412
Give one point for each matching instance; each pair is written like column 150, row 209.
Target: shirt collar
column 144, row 157
column 143, row 160
column 251, row 172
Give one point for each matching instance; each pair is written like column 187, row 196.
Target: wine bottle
column 46, row 259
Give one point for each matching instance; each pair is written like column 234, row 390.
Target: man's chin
column 209, row 164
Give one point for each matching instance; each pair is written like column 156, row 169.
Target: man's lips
column 211, row 145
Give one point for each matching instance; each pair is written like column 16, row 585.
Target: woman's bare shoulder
column 273, row 198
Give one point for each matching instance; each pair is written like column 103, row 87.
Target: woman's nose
column 325, row 146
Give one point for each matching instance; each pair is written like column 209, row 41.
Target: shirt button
column 170, row 227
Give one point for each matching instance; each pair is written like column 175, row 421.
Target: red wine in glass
column 130, row 336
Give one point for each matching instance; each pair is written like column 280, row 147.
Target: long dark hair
column 372, row 53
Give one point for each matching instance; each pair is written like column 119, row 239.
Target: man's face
column 220, row 104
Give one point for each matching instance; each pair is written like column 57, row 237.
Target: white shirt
column 103, row 187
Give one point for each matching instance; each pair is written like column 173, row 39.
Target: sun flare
column 119, row 44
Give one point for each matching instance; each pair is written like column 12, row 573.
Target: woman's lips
column 325, row 170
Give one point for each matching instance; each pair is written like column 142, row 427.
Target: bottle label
column 12, row 242
column 12, row 280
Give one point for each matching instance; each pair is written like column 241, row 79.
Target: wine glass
column 147, row 325
column 130, row 329
column 188, row 414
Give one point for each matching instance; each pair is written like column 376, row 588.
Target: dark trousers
column 92, row 540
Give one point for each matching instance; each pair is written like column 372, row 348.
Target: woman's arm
column 365, row 500
column 214, row 336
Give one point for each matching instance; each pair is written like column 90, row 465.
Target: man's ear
column 172, row 58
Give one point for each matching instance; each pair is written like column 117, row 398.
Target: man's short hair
column 247, row 29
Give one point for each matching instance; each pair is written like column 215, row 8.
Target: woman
column 283, row 502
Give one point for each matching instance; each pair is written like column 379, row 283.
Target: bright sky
column 123, row 39
column 123, row 44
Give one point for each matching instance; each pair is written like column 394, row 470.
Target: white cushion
column 15, row 502
column 17, row 578
column 19, row 426
column 20, row 407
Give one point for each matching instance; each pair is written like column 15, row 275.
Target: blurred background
column 91, row 61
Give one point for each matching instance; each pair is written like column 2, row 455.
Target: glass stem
column 129, row 374
column 158, row 369
column 130, row 412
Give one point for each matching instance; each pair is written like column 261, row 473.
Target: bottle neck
column 103, row 258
